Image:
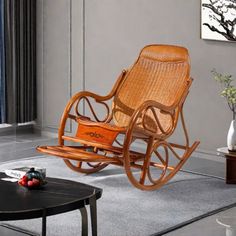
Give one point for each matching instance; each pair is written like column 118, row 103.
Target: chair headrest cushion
column 165, row 53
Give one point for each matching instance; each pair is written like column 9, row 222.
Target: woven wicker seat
column 147, row 100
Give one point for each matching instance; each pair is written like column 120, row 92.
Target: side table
column 230, row 164
column 58, row 196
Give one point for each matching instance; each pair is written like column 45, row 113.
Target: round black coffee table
column 57, row 196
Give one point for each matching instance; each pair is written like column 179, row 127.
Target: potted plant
column 228, row 92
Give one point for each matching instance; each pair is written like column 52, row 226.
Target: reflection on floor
column 13, row 147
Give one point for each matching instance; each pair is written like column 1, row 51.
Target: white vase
column 231, row 137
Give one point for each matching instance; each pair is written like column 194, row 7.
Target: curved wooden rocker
column 147, row 100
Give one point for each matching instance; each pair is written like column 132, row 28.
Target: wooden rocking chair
column 147, row 100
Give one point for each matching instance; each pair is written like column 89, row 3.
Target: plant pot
column 231, row 137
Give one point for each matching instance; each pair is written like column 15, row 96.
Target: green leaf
column 229, row 91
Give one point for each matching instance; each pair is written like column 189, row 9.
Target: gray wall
column 60, row 50
column 115, row 31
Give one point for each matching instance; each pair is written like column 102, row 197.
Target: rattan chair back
column 161, row 73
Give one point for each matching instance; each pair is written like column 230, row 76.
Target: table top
column 57, row 196
column 226, row 152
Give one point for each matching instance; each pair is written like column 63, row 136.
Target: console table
column 230, row 164
column 57, row 196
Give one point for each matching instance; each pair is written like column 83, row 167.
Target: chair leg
column 161, row 162
column 184, row 128
column 184, row 158
column 146, row 161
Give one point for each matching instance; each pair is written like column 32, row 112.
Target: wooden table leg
column 84, row 217
column 44, row 223
column 230, row 170
column 93, row 213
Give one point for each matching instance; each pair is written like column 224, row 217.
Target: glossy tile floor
column 18, row 146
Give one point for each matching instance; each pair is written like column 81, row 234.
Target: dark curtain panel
column 9, row 61
column 20, row 56
column 2, row 66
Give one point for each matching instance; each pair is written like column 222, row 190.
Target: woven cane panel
column 151, row 79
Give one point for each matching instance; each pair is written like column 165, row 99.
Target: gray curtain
column 20, row 60
column 2, row 66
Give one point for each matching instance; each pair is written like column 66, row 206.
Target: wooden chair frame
column 99, row 155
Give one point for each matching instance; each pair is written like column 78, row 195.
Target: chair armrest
column 75, row 100
column 140, row 114
column 97, row 98
column 172, row 110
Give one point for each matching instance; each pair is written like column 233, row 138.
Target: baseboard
column 17, row 129
column 49, row 134
column 209, row 155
